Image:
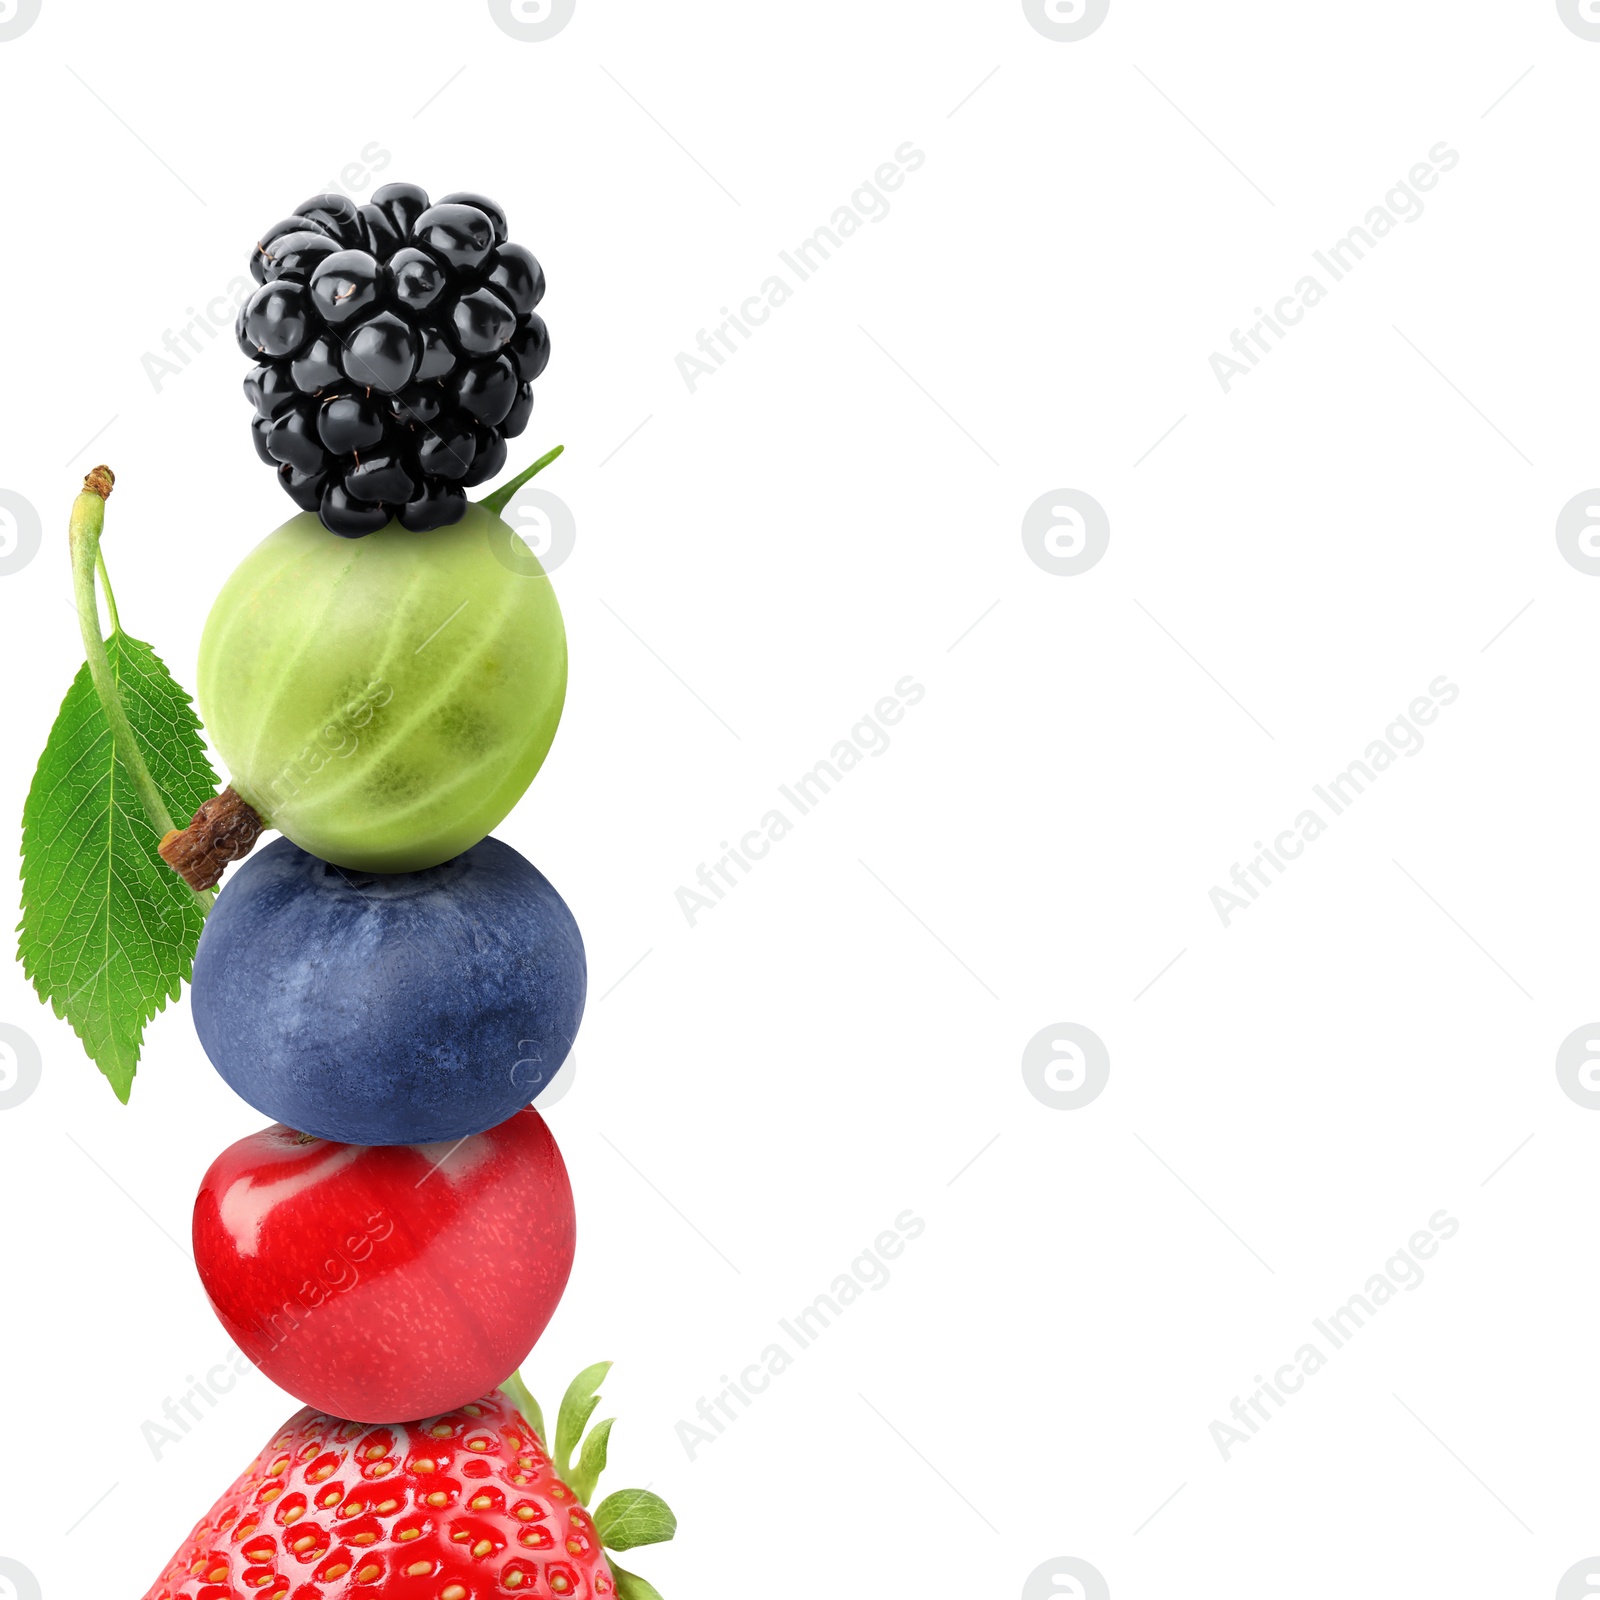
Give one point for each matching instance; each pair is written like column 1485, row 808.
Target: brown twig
column 224, row 829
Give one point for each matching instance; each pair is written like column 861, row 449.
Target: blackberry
column 396, row 346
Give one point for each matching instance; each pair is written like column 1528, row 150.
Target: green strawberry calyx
column 626, row 1518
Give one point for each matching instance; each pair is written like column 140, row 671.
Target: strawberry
column 462, row 1506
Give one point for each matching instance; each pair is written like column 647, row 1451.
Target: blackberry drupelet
column 396, row 346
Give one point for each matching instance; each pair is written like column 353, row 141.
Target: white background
column 757, row 562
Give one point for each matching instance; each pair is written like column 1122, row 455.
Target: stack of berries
column 387, row 982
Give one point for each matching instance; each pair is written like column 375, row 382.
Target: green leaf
column 577, row 1406
column 108, row 931
column 630, row 1586
column 522, row 1398
column 591, row 1462
column 632, row 1517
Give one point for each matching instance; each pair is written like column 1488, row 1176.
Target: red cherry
column 389, row 1282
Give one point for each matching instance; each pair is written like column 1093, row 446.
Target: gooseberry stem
column 501, row 498
column 83, row 537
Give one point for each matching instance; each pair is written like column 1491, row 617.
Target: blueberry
column 400, row 1008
